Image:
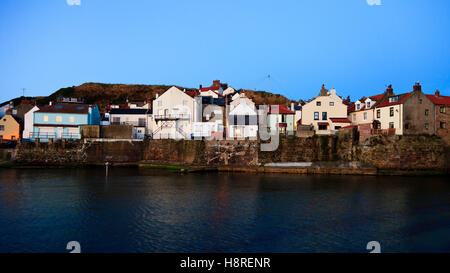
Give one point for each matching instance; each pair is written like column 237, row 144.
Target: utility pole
column 23, row 92
column 268, row 77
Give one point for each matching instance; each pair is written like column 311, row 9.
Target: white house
column 242, row 118
column 29, row 122
column 174, row 112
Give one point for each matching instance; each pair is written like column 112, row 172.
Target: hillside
column 104, row 94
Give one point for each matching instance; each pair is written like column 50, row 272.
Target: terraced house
column 63, row 120
column 442, row 115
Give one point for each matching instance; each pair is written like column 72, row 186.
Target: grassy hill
column 104, row 94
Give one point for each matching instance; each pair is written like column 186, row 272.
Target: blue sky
column 349, row 45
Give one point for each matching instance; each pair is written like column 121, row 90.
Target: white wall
column 29, row 122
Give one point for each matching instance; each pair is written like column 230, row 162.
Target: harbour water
column 139, row 210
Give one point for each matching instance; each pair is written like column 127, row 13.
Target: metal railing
column 132, row 123
column 54, row 136
column 172, row 116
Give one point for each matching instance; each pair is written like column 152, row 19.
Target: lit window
column 45, row 118
column 58, row 119
column 72, row 119
column 442, row 125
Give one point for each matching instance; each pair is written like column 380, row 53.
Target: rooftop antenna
column 23, row 92
column 268, row 77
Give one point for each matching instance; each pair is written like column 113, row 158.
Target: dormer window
column 368, row 104
column 358, row 106
column 393, row 99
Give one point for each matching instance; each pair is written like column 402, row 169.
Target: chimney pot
column 437, row 93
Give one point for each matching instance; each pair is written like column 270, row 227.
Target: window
column 58, row 119
column 391, row 125
column 45, row 118
column 365, row 116
column 337, row 127
column 331, row 103
column 322, row 127
column 2, row 127
column 358, row 106
column 391, row 111
column 316, row 115
column 426, row 126
column 72, row 119
column 378, row 113
column 442, row 110
column 354, row 117
column 442, row 125
column 393, row 99
column 318, row 103
column 426, row 112
column 368, row 104
column 13, row 137
column 324, row 115
column 407, row 126
column 420, row 101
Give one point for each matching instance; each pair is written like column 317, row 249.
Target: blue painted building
column 63, row 120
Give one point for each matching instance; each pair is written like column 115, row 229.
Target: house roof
column 132, row 111
column 282, row 109
column 401, row 99
column 212, row 88
column 65, row 108
column 440, row 100
column 193, row 93
column 376, row 98
column 348, row 126
column 341, row 120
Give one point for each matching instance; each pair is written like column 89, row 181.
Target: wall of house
column 444, row 117
column 357, row 117
column 117, row 131
column 173, row 102
column 339, row 110
column 274, row 119
column 414, row 116
column 385, row 118
column 11, row 129
column 28, row 122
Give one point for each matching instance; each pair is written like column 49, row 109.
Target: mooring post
column 106, row 168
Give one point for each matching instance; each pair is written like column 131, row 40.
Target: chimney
column 437, row 94
column 200, row 87
column 417, row 87
column 389, row 90
column 292, row 106
column 216, row 83
column 157, row 95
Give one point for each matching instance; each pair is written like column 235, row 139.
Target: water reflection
column 137, row 210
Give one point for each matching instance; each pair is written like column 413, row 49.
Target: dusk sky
column 355, row 46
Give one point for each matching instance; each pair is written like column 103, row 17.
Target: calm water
column 149, row 211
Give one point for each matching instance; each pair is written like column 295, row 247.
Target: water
column 137, row 210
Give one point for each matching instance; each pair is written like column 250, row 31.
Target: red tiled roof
column 440, row 100
column 323, row 123
column 341, row 120
column 402, row 98
column 375, row 98
column 212, row 88
column 193, row 93
column 282, row 109
column 348, row 126
column 74, row 108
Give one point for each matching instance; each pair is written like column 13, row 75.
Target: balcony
column 131, row 123
column 172, row 116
